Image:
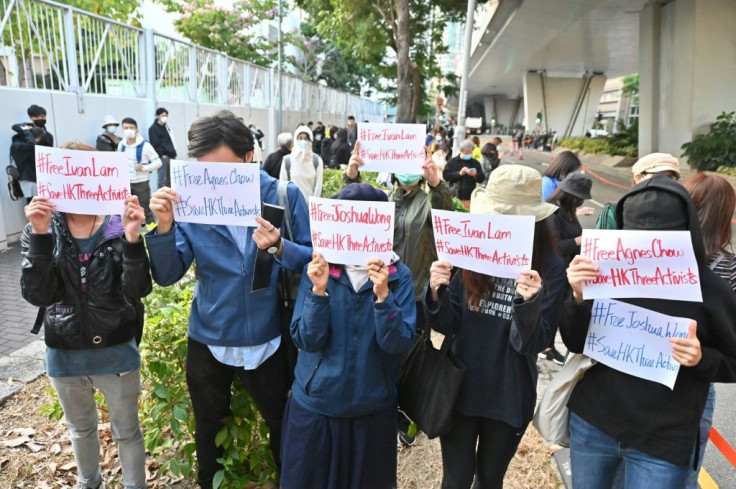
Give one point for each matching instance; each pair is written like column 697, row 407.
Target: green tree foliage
column 716, row 149
column 232, row 30
column 322, row 60
column 125, row 11
column 401, row 39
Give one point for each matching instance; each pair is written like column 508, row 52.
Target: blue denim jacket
column 351, row 346
column 225, row 312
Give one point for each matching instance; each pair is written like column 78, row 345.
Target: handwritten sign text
column 500, row 246
column 350, row 232
column 83, row 182
column 642, row 264
column 217, row 193
column 394, row 148
column 635, row 340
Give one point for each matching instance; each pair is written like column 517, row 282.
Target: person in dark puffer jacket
column 353, row 326
column 90, row 272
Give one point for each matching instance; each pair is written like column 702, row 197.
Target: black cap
column 655, row 209
column 577, row 184
column 361, row 191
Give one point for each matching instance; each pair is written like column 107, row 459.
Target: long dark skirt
column 322, row 452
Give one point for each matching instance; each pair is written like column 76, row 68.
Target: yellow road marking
column 705, row 481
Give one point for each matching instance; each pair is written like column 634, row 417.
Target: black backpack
column 13, row 180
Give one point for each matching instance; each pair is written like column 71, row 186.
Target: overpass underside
column 549, row 60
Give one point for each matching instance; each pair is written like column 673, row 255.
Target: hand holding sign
column 38, row 213
column 440, row 274
column 319, row 273
column 355, row 162
column 378, row 274
column 581, row 270
column 162, row 204
column 528, row 285
column 394, row 148
column 133, row 218
column 686, row 351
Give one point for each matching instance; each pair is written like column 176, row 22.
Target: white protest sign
column 393, row 148
column 500, row 246
column 217, row 193
column 351, row 232
column 635, row 340
column 83, row 182
column 657, row 265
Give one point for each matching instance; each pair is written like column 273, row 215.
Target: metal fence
column 49, row 46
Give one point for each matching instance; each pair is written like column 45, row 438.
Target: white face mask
column 112, row 129
column 303, row 144
column 163, row 119
column 129, row 133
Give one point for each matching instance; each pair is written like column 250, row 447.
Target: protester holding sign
column 657, row 426
column 353, row 326
column 90, row 273
column 233, row 331
column 500, row 325
column 569, row 195
column 413, row 237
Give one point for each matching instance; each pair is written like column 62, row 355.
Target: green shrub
column 716, row 148
column 332, row 181
column 616, row 146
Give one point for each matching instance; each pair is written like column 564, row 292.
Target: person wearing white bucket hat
column 108, row 140
column 500, row 325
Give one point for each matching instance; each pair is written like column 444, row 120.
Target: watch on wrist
column 274, row 248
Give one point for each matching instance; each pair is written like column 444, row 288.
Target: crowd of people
column 354, row 325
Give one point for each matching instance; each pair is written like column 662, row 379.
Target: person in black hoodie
column 501, row 324
column 162, row 140
column 23, row 154
column 617, row 420
column 463, row 173
column 37, row 114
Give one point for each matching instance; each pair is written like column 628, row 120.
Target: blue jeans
column 76, row 395
column 595, row 458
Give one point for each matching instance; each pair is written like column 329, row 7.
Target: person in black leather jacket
column 90, row 272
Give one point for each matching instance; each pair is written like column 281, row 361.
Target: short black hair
column 351, row 118
column 129, row 120
column 36, row 110
column 206, row 134
column 160, row 111
column 310, row 123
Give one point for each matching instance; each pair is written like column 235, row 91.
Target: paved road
column 609, row 185
column 16, row 315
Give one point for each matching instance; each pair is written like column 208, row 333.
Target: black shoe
column 552, row 355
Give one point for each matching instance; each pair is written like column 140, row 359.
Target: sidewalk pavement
column 16, row 315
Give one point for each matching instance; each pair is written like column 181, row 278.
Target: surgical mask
column 40, row 122
column 438, row 139
column 408, row 179
column 439, row 158
column 303, row 145
column 163, row 120
column 129, row 133
column 111, row 129
column 466, row 157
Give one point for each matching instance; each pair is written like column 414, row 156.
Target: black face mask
column 40, row 122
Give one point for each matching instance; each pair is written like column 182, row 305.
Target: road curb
column 21, row 367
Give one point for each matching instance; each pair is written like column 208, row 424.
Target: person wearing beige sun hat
column 500, row 325
column 653, row 163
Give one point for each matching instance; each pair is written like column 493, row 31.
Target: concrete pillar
column 562, row 102
column 686, row 58
column 501, row 108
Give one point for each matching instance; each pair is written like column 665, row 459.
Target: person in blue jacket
column 353, row 326
column 232, row 330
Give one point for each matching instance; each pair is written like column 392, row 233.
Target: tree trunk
column 403, row 61
column 416, row 93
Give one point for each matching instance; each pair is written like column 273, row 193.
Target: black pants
column 142, row 190
column 164, row 175
column 496, row 445
column 210, row 383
